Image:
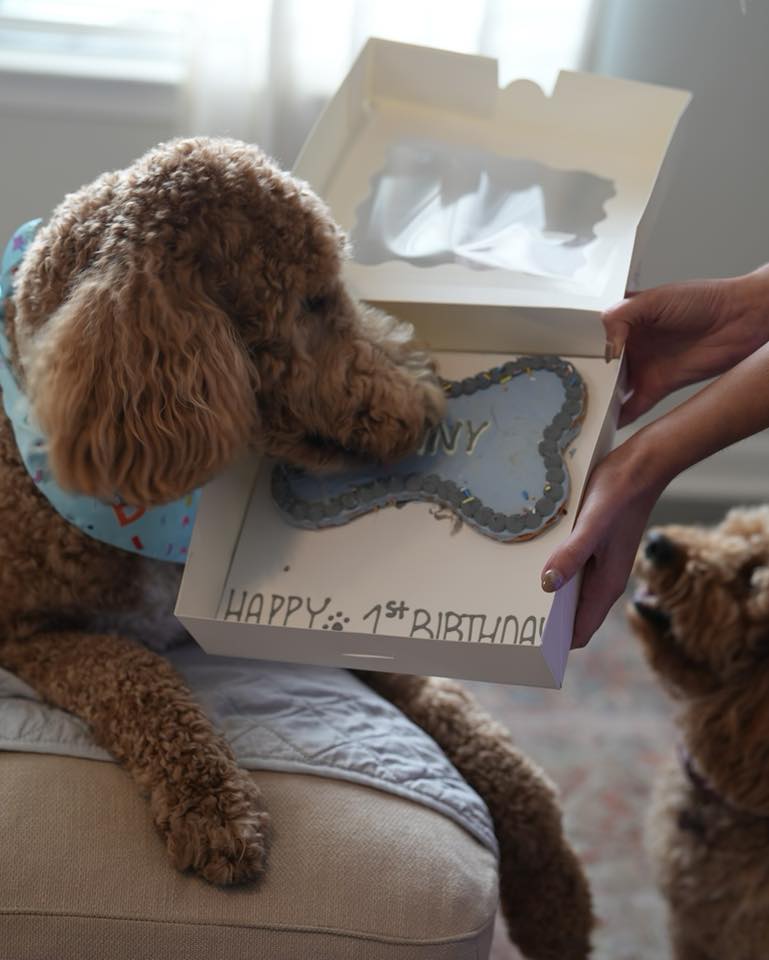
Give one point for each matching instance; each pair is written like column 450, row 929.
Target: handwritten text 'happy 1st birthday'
column 275, row 609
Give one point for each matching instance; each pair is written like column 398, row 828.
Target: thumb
column 635, row 310
column 617, row 324
column 568, row 559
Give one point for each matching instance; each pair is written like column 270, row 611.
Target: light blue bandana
column 162, row 533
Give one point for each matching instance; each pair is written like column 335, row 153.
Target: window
column 162, row 39
column 134, row 38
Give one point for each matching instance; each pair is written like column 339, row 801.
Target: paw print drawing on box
column 336, row 621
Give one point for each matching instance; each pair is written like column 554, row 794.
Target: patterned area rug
column 600, row 738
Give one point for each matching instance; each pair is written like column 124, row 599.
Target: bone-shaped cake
column 496, row 459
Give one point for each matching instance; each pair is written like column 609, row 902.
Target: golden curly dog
column 167, row 318
column 702, row 614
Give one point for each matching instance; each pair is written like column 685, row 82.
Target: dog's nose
column 660, row 549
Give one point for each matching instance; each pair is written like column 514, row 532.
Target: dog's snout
column 660, row 549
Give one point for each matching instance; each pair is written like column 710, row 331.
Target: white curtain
column 261, row 70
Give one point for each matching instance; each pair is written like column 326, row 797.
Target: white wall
column 57, row 133
column 715, row 220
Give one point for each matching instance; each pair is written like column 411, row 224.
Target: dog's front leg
column 544, row 892
column 208, row 811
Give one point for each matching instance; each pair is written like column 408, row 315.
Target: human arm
column 705, row 331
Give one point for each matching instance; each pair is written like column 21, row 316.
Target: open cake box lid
column 457, row 194
column 500, row 222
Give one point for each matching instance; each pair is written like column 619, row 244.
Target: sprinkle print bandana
column 162, row 533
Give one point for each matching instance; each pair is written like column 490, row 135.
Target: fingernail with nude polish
column 552, row 580
column 608, row 351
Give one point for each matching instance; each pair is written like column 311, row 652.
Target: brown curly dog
column 167, row 318
column 702, row 614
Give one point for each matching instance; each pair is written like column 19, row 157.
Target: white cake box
column 500, row 222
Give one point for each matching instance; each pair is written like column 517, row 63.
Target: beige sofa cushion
column 354, row 874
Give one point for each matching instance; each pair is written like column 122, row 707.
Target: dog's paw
column 407, row 407
column 419, row 416
column 433, row 402
column 388, row 434
column 219, row 834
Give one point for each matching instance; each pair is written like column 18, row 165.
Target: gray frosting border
column 429, row 487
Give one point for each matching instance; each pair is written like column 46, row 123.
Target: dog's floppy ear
column 140, row 385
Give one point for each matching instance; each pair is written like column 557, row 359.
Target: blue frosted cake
column 497, row 459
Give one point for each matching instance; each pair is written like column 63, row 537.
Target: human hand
column 683, row 333
column 618, row 499
column 675, row 335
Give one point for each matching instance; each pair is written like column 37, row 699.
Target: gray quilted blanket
column 285, row 717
